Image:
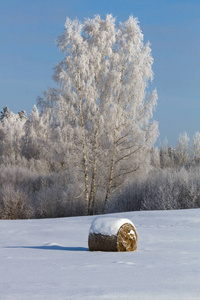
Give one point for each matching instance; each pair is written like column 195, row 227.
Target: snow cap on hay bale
column 112, row 234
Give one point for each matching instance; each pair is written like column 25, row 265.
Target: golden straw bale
column 108, row 237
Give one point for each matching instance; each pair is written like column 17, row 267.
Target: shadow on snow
column 50, row 247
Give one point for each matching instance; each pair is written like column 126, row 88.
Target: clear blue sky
column 28, row 52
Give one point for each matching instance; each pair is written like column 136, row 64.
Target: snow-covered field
column 49, row 259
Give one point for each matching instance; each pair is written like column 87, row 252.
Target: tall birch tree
column 103, row 99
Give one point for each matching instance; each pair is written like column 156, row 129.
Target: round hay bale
column 112, row 234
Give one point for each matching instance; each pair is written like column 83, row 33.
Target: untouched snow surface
column 49, row 259
column 108, row 225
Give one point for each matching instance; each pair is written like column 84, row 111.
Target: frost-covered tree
column 181, row 150
column 11, row 133
column 155, row 158
column 5, row 113
column 37, row 140
column 196, row 147
column 103, row 102
column 167, row 156
column 22, row 114
column 164, row 155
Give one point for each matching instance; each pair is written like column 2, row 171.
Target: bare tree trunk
column 95, row 146
column 86, row 175
column 93, row 188
column 93, row 184
column 110, row 179
column 85, row 164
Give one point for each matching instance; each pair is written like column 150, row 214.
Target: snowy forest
column 88, row 146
